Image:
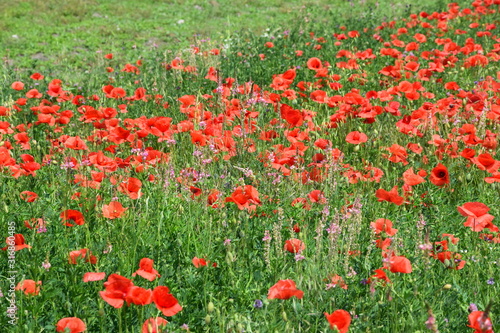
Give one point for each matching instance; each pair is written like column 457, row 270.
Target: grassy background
column 53, row 34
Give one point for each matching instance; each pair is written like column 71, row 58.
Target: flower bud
column 447, row 286
column 208, row 319
column 284, row 316
column 210, row 307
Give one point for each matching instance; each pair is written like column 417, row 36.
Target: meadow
column 272, row 166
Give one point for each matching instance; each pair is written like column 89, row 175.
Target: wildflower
column 165, row 301
column 480, row 322
column 257, row 304
column 71, row 217
column 294, row 245
column 154, row 325
column 29, row 287
column 146, row 270
column 284, row 289
column 91, row 276
column 477, row 216
column 46, row 265
column 73, row 324
column 299, row 257
column 356, row 138
column 113, row 210
column 17, row 241
column 439, row 175
column 340, row 320
column 389, row 196
column 116, row 289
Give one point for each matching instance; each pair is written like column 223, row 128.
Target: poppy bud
column 356, row 148
column 208, row 319
column 229, row 258
column 284, row 316
column 468, row 177
column 447, row 286
column 210, row 307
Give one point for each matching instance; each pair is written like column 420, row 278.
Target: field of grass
column 277, row 166
column 54, row 35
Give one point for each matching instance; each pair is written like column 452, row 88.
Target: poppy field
column 315, row 179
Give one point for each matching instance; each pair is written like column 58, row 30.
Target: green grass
column 64, row 36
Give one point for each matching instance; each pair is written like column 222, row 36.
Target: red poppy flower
column 72, row 215
column 131, row 187
column 139, row 296
column 199, row 262
column 477, row 216
column 28, row 196
column 400, row 264
column 486, row 162
column 314, row 64
column 17, row 241
column 380, row 275
column 340, row 320
column 284, row 289
column 146, row 270
column 295, row 245
column 439, row 175
column 83, row 253
column 292, row 116
column 356, row 138
column 480, row 322
column 116, row 289
column 17, row 85
column 29, row 287
column 337, row 281
column 195, row 191
column 411, row 178
column 452, row 260
column 73, row 324
column 34, row 93
column 37, row 76
column 389, row 196
column 245, row 197
column 154, row 325
column 92, row 276
column 212, row 198
column 317, row 196
column 35, row 223
column 113, row 210
column 383, row 225
column 165, row 301
column 75, row 143
column 495, row 178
